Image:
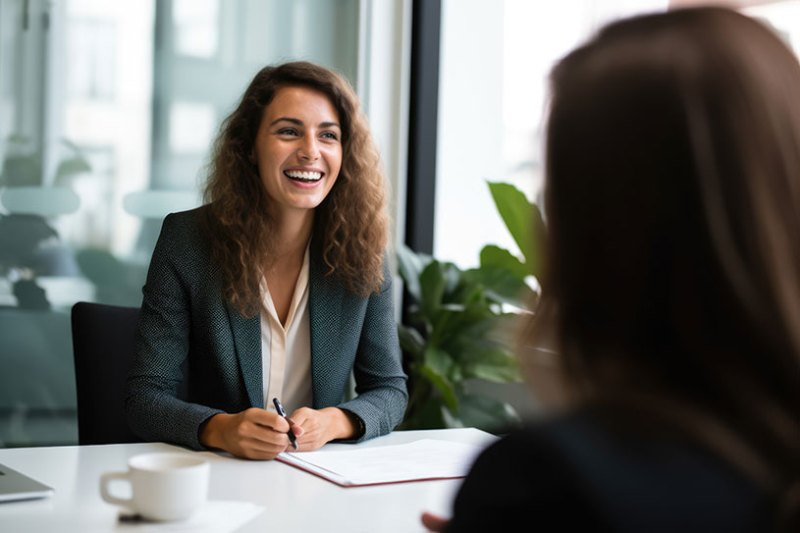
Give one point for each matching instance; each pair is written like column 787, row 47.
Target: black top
column 577, row 474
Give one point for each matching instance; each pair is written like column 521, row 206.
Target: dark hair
column 350, row 225
column 673, row 206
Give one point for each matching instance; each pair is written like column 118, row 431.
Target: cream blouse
column 286, row 349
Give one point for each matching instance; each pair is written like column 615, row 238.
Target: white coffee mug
column 164, row 486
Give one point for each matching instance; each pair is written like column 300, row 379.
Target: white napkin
column 213, row 517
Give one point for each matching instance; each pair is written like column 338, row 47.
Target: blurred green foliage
column 459, row 323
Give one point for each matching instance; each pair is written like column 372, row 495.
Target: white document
column 419, row 460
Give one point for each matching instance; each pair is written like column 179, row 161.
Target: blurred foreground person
column 672, row 291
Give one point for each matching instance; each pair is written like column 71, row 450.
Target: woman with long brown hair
column 276, row 288
column 672, row 290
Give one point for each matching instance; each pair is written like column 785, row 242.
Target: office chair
column 103, row 349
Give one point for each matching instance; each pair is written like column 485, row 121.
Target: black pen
column 279, row 408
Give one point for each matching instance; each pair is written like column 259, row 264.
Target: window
column 495, row 59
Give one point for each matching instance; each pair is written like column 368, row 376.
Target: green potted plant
column 458, row 323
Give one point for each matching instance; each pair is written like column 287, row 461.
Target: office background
column 108, row 109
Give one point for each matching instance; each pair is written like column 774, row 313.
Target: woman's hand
column 433, row 522
column 320, row 427
column 251, row 434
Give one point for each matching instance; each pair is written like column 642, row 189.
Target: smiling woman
column 277, row 288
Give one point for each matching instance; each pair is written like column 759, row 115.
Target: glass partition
column 107, row 112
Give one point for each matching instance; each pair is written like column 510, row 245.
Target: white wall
column 383, row 79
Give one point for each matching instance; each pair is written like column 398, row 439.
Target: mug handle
column 105, row 481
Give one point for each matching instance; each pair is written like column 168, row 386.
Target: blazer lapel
column 247, row 339
column 325, row 301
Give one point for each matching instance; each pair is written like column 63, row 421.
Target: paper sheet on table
column 420, row 460
column 214, row 517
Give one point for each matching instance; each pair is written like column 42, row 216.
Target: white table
column 294, row 501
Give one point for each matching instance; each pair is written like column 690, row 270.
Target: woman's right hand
column 251, row 434
column 434, row 522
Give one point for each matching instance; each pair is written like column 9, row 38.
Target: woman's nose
column 309, row 150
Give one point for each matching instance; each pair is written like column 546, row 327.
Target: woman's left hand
column 321, row 426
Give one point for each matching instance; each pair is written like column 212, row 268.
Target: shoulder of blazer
column 188, row 231
column 185, row 244
column 188, row 223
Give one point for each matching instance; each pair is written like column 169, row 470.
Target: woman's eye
column 287, row 131
column 330, row 135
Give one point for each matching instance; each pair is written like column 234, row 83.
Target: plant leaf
column 451, row 419
column 487, row 413
column 432, row 285
column 496, row 365
column 494, row 257
column 453, row 322
column 409, row 266
column 428, row 416
column 523, row 220
column 452, row 277
column 439, row 360
column 435, row 370
column 411, row 341
column 502, row 286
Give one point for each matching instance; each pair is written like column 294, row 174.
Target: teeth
column 303, row 176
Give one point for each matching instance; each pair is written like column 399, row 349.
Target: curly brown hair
column 350, row 225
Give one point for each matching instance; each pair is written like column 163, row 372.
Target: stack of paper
column 419, row 460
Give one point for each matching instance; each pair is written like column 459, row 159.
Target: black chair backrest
column 103, row 348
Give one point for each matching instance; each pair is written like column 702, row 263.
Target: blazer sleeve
column 380, row 381
column 154, row 410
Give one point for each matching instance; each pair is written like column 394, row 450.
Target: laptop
column 17, row 486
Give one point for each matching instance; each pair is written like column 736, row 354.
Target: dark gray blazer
column 196, row 356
